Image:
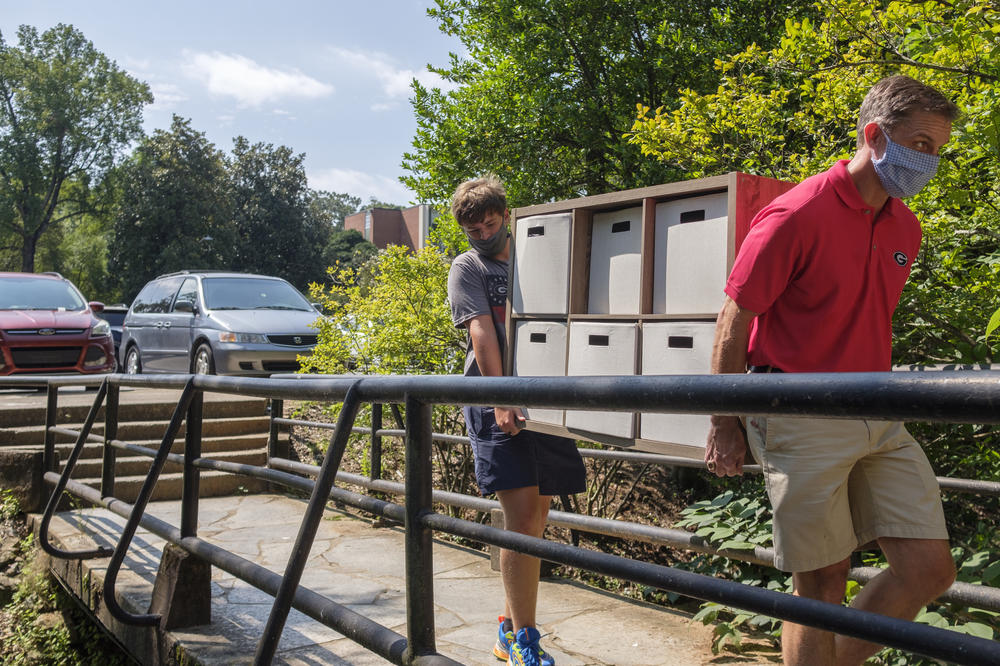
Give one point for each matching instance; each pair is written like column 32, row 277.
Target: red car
column 47, row 327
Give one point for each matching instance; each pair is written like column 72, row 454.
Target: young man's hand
column 510, row 420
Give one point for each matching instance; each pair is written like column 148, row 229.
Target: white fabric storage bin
column 676, row 348
column 540, row 351
column 615, row 262
column 600, row 348
column 690, row 255
column 541, row 264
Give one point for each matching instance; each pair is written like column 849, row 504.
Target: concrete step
column 169, row 486
column 134, row 431
column 157, row 405
column 135, row 465
column 208, row 445
column 93, row 452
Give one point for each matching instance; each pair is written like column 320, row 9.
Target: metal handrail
column 958, row 485
column 60, row 486
column 145, row 492
column 955, row 398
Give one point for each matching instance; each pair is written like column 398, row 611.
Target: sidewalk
column 362, row 567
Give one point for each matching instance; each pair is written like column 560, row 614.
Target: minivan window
column 189, row 291
column 237, row 293
column 156, row 296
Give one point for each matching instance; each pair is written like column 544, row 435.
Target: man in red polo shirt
column 813, row 290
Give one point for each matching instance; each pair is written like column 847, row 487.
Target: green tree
column 332, row 207
column 393, row 320
column 78, row 248
column 67, row 112
column 548, row 89
column 790, row 111
column 277, row 235
column 347, row 249
column 175, row 212
column 375, row 203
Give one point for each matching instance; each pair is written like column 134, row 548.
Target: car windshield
column 30, row 293
column 236, row 293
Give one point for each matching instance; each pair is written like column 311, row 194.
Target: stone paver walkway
column 362, row 567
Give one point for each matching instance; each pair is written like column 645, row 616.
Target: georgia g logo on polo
column 900, row 258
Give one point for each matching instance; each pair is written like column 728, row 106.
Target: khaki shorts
column 836, row 485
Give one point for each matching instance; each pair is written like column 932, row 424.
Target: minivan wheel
column 204, row 363
column 133, row 365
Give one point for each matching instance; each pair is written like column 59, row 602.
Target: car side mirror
column 96, row 306
column 185, row 306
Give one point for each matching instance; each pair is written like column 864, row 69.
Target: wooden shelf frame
column 746, row 196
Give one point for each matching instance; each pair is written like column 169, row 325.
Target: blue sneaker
column 525, row 651
column 505, row 636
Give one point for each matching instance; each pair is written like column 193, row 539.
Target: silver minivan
column 214, row 322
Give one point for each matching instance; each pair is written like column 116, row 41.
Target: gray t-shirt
column 477, row 285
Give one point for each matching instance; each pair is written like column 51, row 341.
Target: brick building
column 385, row 226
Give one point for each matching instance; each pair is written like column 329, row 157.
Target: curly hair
column 475, row 199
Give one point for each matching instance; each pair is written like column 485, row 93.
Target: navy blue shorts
column 504, row 462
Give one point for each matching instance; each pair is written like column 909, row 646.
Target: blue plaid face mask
column 904, row 171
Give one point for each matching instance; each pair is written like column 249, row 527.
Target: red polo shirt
column 824, row 276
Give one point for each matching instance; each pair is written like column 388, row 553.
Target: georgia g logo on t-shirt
column 900, row 258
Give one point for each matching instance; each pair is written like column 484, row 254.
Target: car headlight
column 249, row 338
column 100, row 329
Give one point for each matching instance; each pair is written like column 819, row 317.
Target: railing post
column 109, row 455
column 274, row 448
column 182, row 593
column 50, row 461
column 375, row 457
column 192, row 475
column 419, row 538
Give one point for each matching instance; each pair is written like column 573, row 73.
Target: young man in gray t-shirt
column 524, row 468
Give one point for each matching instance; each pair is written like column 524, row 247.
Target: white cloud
column 382, row 106
column 360, row 184
column 395, row 80
column 167, row 95
column 249, row 83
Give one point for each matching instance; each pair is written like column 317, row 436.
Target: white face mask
column 904, row 171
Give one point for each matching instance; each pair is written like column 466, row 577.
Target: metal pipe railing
column 958, row 397
column 966, row 594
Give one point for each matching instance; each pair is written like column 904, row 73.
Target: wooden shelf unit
column 745, row 195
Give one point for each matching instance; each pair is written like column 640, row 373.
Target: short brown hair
column 475, row 199
column 892, row 99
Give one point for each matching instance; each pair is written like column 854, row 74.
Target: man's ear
column 874, row 137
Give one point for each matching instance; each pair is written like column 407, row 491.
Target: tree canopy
column 791, row 110
column 391, row 317
column 276, row 232
column 67, row 112
column 548, row 89
column 332, row 207
column 175, row 212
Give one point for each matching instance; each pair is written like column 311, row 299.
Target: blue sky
column 328, row 79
